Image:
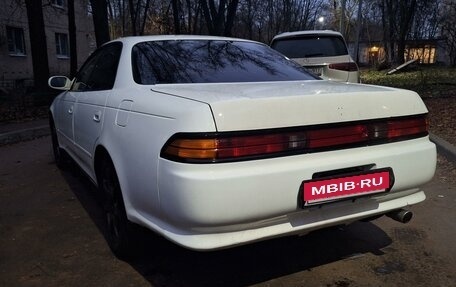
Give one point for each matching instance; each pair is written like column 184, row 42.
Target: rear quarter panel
column 135, row 147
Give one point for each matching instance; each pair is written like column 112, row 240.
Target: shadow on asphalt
column 163, row 263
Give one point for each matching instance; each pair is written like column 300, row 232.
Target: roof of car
column 137, row 39
column 307, row 32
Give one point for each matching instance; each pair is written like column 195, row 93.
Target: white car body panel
column 265, row 105
column 230, row 196
column 135, row 147
column 212, row 206
column 88, row 122
column 64, row 117
column 299, row 223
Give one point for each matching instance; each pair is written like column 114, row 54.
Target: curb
column 443, row 147
column 24, row 135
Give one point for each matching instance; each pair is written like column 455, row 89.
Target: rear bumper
column 210, row 206
column 299, row 222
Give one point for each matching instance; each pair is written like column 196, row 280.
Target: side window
column 81, row 82
column 99, row 71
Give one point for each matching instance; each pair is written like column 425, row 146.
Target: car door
column 64, row 119
column 92, row 86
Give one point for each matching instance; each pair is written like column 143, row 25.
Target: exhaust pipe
column 400, row 215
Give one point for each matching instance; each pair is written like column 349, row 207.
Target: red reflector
column 349, row 67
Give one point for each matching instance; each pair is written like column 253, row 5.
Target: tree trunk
column 72, row 36
column 407, row 9
column 391, row 12
column 38, row 44
column 189, row 17
column 176, row 16
column 217, row 22
column 144, row 19
column 132, row 17
column 385, row 33
column 100, row 21
column 207, row 17
column 358, row 30
column 343, row 7
column 232, row 8
column 400, row 51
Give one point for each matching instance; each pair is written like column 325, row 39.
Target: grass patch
column 427, row 81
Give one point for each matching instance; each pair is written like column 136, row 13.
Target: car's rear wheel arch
column 102, row 157
column 120, row 233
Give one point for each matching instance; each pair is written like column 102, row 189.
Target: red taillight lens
column 221, row 147
column 349, row 67
column 407, row 127
column 337, row 136
column 259, row 144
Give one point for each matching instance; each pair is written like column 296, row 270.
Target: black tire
column 61, row 158
column 119, row 235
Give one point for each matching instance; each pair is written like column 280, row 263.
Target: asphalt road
column 51, row 234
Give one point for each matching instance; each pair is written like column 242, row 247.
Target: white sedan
column 215, row 142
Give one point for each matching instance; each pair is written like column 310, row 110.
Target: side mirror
column 59, row 83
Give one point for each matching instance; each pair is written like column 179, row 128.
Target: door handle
column 97, row 117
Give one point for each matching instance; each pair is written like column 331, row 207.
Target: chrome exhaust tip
column 400, row 215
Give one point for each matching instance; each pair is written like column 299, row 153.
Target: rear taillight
column 236, row 146
column 348, row 67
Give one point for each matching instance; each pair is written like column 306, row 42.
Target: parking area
column 51, row 234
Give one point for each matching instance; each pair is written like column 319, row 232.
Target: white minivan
column 323, row 52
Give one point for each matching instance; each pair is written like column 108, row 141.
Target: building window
column 61, row 45
column 16, row 42
column 425, row 54
column 58, row 3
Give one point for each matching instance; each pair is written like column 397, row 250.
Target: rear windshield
column 311, row 46
column 204, row 61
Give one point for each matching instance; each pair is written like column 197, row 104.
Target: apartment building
column 15, row 53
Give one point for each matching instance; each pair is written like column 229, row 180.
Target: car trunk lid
column 252, row 106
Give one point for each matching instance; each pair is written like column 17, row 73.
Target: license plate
column 317, row 191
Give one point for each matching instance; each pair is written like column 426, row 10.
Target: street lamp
column 320, row 20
